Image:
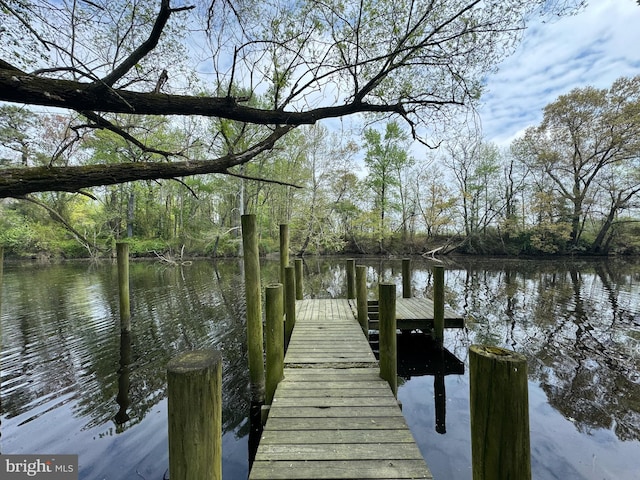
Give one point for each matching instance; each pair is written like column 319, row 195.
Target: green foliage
column 550, row 237
column 145, row 247
column 586, row 135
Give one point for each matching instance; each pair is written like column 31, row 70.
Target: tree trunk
column 131, row 205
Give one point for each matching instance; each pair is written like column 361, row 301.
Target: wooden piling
column 298, row 266
column 274, row 339
column 290, row 303
column 406, row 278
column 351, row 278
column 388, row 339
column 284, row 250
column 361, row 296
column 194, row 382
column 284, row 255
column 122, row 252
column 438, row 304
column 499, row 404
column 255, row 343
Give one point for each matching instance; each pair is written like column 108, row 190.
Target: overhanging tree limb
column 20, row 87
column 17, row 182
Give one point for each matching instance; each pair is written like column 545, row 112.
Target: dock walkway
column 332, row 415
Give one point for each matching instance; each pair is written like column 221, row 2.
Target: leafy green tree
column 583, row 135
column 435, row 201
column 16, row 134
column 470, row 168
column 385, row 158
column 324, row 196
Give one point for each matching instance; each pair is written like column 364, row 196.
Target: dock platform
column 332, row 416
column 414, row 314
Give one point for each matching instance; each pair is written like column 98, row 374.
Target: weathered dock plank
column 332, row 416
column 342, row 469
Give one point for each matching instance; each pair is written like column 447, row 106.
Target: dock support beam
column 255, row 343
column 361, row 296
column 351, row 278
column 406, row 278
column 388, row 339
column 499, row 404
column 194, row 382
column 298, row 266
column 122, row 252
column 290, row 303
column 275, row 339
column 284, row 250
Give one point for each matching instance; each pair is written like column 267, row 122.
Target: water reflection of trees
column 576, row 323
column 63, row 342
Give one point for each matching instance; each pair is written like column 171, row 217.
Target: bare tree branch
column 144, row 48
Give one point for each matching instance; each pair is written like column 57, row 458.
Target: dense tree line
column 568, row 185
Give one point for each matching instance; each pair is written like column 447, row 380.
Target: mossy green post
column 351, row 278
column 275, row 339
column 290, row 305
column 284, row 250
column 298, row 266
column 438, row 304
column 122, row 252
column 255, row 342
column 499, row 403
column 406, row 278
column 194, row 382
column 388, row 340
column 361, row 298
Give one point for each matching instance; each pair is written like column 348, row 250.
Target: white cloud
column 594, row 47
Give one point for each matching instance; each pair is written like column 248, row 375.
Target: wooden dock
column 332, row 416
column 415, row 314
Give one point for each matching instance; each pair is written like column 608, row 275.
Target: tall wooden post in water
column 255, row 343
column 499, row 404
column 284, row 249
column 284, row 255
column 406, row 278
column 361, row 296
column 122, row 251
column 194, row 403
column 298, row 266
column 438, row 304
column 290, row 303
column 274, row 339
column 351, row 278
column 388, row 340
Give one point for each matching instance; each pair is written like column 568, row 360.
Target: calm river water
column 70, row 383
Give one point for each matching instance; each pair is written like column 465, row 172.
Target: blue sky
column 594, row 47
